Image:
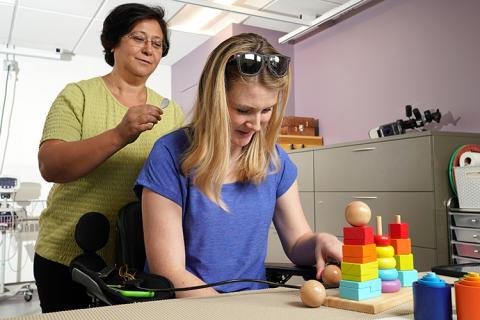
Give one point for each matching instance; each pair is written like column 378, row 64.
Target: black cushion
column 130, row 244
column 91, row 232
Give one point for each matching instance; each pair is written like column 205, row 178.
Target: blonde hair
column 208, row 158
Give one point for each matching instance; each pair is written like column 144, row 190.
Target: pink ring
column 391, row 286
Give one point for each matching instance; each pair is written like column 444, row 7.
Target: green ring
column 450, row 167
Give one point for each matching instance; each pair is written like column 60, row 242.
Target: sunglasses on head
column 251, row 63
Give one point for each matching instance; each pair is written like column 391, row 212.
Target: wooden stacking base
column 375, row 305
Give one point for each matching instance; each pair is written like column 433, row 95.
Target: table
column 278, row 304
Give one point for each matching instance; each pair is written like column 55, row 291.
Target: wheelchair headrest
column 92, row 231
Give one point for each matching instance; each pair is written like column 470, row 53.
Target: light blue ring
column 388, row 274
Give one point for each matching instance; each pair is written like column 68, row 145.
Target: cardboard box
column 292, row 142
column 302, row 126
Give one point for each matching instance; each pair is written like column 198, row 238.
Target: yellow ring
column 386, row 263
column 385, row 252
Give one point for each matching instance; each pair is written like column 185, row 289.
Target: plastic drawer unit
column 464, row 235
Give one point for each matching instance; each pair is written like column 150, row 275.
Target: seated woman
column 211, row 189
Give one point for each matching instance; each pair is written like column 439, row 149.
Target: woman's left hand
column 327, row 247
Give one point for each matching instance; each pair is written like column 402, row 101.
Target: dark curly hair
column 121, row 21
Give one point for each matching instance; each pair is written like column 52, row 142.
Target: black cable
column 274, row 284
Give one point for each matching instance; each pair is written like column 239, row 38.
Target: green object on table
column 133, row 293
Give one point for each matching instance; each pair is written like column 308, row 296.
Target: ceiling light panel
column 327, row 16
column 209, row 21
column 206, row 21
column 46, row 30
column 307, row 9
column 83, row 8
column 170, row 7
column 297, row 8
column 270, row 24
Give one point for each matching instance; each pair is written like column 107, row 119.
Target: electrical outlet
column 11, row 65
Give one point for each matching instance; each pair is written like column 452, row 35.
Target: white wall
column 39, row 82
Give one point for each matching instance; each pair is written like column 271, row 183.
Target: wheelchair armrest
column 282, row 272
column 90, row 284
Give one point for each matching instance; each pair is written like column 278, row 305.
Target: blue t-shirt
column 219, row 245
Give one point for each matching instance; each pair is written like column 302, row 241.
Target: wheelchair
column 126, row 282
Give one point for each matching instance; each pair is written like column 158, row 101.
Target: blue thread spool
column 432, row 298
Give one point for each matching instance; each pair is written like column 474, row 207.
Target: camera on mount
column 400, row 126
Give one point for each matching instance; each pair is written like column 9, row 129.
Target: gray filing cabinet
column 404, row 174
column 304, row 162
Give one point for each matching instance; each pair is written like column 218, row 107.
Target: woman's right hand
column 59, row 160
column 137, row 120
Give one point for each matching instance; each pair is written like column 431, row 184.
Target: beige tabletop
column 279, row 303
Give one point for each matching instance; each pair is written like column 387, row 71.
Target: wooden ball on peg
column 331, row 275
column 312, row 293
column 358, row 213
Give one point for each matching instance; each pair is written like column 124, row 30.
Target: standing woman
column 208, row 205
column 96, row 137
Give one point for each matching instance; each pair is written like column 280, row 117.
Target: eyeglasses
column 141, row 39
column 251, row 63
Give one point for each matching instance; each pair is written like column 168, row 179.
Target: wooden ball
column 312, row 293
column 358, row 213
column 332, row 275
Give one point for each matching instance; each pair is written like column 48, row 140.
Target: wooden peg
column 379, row 225
column 398, row 219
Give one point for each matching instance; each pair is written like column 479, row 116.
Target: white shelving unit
column 13, row 221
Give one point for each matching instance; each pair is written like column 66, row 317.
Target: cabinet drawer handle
column 319, row 201
column 475, row 236
column 474, row 220
column 364, row 149
column 365, row 197
column 475, row 251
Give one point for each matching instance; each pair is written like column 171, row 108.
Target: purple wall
column 186, row 72
column 361, row 72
